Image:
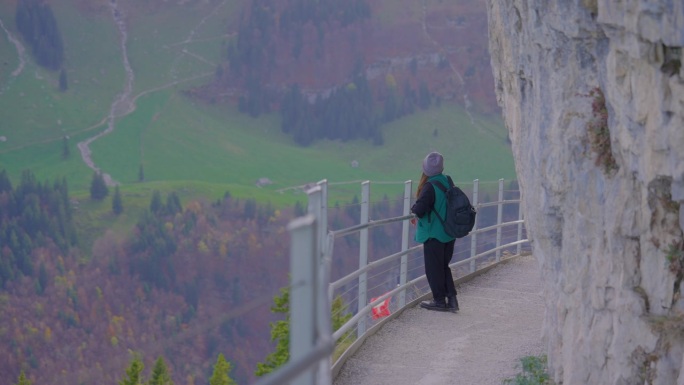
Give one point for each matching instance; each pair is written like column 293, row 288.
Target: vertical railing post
column 318, row 198
column 315, row 208
column 520, row 225
column 323, row 217
column 473, row 234
column 403, row 270
column 363, row 253
column 303, row 292
column 499, row 219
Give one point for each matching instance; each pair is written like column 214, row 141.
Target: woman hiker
column 438, row 247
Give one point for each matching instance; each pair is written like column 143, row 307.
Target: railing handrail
column 313, row 241
column 369, row 225
column 370, row 265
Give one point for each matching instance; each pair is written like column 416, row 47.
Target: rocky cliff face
column 592, row 92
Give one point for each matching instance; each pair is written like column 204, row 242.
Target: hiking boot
column 452, row 304
column 434, row 305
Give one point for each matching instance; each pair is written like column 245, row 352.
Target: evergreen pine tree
column 340, row 315
column 160, row 374
column 173, row 204
column 5, row 184
column 117, row 204
column 221, row 372
column 98, row 187
column 38, row 26
column 134, row 372
column 250, row 209
column 155, row 202
column 42, row 278
column 63, row 84
column 23, row 380
column 424, row 97
column 280, row 332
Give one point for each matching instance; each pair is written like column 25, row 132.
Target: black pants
column 437, row 257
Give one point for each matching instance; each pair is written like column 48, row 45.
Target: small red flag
column 382, row 309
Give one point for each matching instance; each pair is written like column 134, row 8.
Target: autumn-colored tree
column 160, row 374
column 221, row 375
column 134, row 372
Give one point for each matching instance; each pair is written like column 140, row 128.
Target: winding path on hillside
column 190, row 39
column 124, row 103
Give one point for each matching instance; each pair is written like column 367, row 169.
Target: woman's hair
column 421, row 183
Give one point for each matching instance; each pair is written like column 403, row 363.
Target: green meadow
column 201, row 150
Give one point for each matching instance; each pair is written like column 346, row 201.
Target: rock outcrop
column 592, row 92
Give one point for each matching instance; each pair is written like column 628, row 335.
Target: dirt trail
column 21, row 51
column 122, row 105
column 190, row 39
column 466, row 99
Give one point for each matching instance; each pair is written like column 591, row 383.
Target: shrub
column 675, row 259
column 599, row 135
column 534, row 372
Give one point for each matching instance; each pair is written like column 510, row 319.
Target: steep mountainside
column 593, row 96
column 415, row 42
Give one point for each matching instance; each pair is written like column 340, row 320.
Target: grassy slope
column 205, row 150
column 36, row 116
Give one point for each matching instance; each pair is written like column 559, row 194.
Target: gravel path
column 122, row 105
column 500, row 322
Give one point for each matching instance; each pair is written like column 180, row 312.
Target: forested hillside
column 38, row 26
column 33, row 215
column 152, row 153
column 192, row 281
column 334, row 72
column 178, row 287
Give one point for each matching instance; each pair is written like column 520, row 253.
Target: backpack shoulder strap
column 440, row 186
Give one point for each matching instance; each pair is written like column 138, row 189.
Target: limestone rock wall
column 602, row 187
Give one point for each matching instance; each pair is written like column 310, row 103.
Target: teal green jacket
column 429, row 226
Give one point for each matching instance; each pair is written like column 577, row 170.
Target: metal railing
column 313, row 343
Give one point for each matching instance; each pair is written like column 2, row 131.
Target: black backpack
column 460, row 214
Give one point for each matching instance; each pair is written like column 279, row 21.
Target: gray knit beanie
column 433, row 164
